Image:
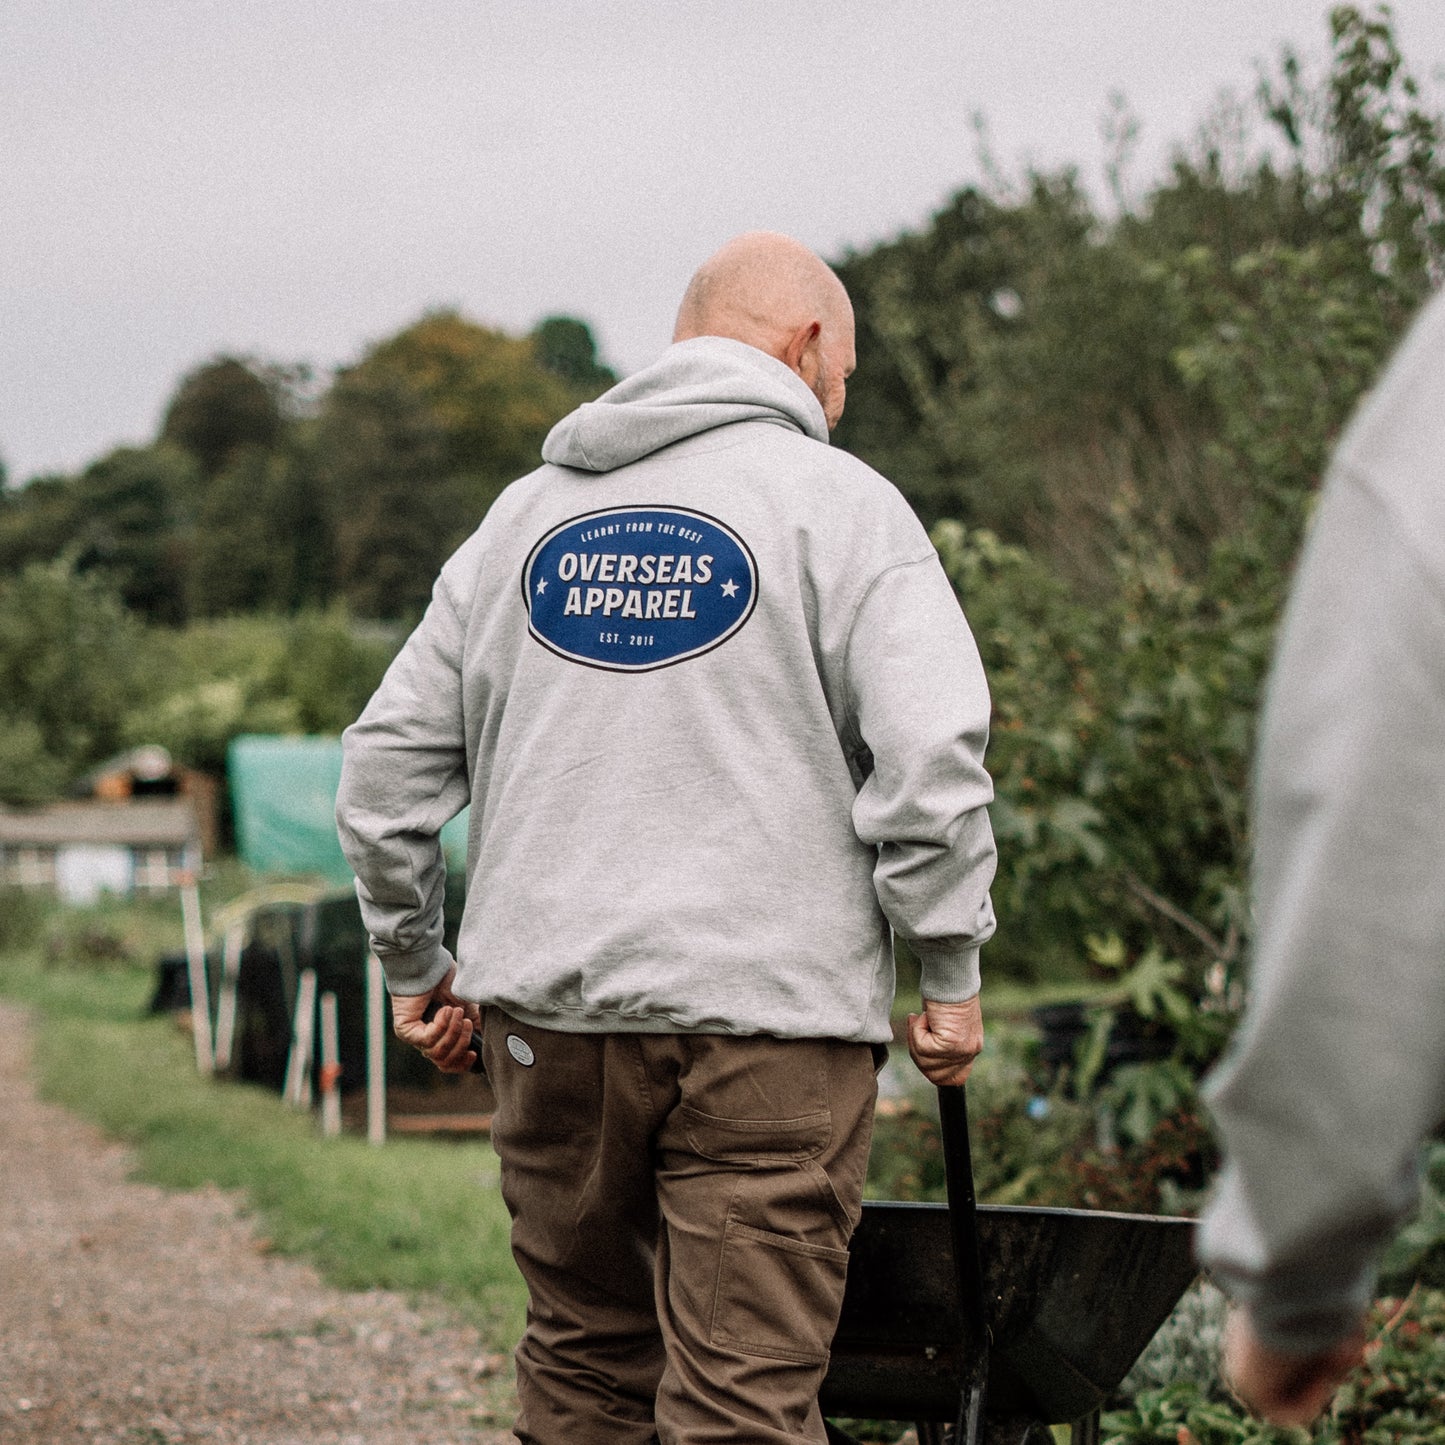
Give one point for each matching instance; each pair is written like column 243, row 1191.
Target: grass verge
column 416, row 1216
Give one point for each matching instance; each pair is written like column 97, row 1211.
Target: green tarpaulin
column 283, row 793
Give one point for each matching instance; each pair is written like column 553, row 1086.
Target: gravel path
column 130, row 1315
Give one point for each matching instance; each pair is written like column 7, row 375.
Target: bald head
column 773, row 293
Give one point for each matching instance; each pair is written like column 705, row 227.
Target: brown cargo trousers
column 681, row 1210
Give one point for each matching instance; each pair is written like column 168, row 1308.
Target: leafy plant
column 1397, row 1395
column 311, row 673
column 1418, row 1251
column 68, row 675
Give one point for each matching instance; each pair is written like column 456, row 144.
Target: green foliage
column 1141, row 1103
column 260, row 540
column 222, row 408
column 1003, row 351
column 128, row 527
column 1119, row 753
column 1281, row 346
column 1378, row 180
column 36, row 521
column 83, row 677
column 1016, row 373
column 565, row 347
column 29, row 773
column 68, row 676
column 415, row 441
column 311, row 673
column 1185, row 1348
column 258, row 498
column 21, row 918
column 1398, row 1395
column 1126, row 673
column 1026, row 366
column 1034, row 639
column 1041, row 1140
column 1126, row 647
column 1418, row 1251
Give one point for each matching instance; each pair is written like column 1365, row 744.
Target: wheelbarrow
column 984, row 1325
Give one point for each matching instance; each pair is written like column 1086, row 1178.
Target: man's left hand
column 446, row 1036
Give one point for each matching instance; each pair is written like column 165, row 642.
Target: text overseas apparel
column 719, row 718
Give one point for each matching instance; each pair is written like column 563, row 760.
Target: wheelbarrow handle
column 967, row 1262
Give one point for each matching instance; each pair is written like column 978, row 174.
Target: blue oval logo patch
column 635, row 588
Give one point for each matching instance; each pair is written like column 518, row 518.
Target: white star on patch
column 541, row 586
column 729, row 588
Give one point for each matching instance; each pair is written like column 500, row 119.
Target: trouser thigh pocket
column 754, row 1211
column 777, row 1296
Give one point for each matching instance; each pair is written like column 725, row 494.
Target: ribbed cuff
column 1295, row 1320
column 409, row 974
column 949, row 974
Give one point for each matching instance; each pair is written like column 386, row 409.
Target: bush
column 1397, row 1396
column 68, row 676
column 22, row 918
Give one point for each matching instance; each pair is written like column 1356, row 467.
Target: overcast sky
column 293, row 179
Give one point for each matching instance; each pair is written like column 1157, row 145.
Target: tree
column 128, row 524
column 416, row 440
column 1263, row 299
column 221, row 408
column 1015, row 370
column 261, row 540
column 565, row 347
column 1028, row 367
column 68, row 676
column 36, row 521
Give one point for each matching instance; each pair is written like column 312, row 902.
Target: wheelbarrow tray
column 1072, row 1297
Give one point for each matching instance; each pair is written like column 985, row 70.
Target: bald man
column 721, row 725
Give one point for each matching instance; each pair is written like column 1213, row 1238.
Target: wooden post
column 196, row 970
column 377, row 1020
column 330, row 1068
column 303, row 1034
column 226, row 1002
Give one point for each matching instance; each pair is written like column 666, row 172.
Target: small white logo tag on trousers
column 521, row 1050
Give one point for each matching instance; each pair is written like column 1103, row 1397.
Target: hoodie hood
column 694, row 386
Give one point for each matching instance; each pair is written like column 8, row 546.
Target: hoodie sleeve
column 921, row 704
column 1339, row 1072
column 403, row 776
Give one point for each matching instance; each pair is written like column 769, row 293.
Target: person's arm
column 403, row 776
column 921, row 704
column 1338, row 1072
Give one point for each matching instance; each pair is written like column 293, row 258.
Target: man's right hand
column 945, row 1039
column 439, row 1024
column 1285, row 1389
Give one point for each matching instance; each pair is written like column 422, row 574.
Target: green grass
column 420, row 1217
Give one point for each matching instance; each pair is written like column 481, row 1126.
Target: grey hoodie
column 1339, row 1070
column 719, row 719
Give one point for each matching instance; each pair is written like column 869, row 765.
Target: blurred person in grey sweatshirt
column 721, row 725
column 1338, row 1074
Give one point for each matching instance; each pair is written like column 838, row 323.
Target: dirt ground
column 129, row 1315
